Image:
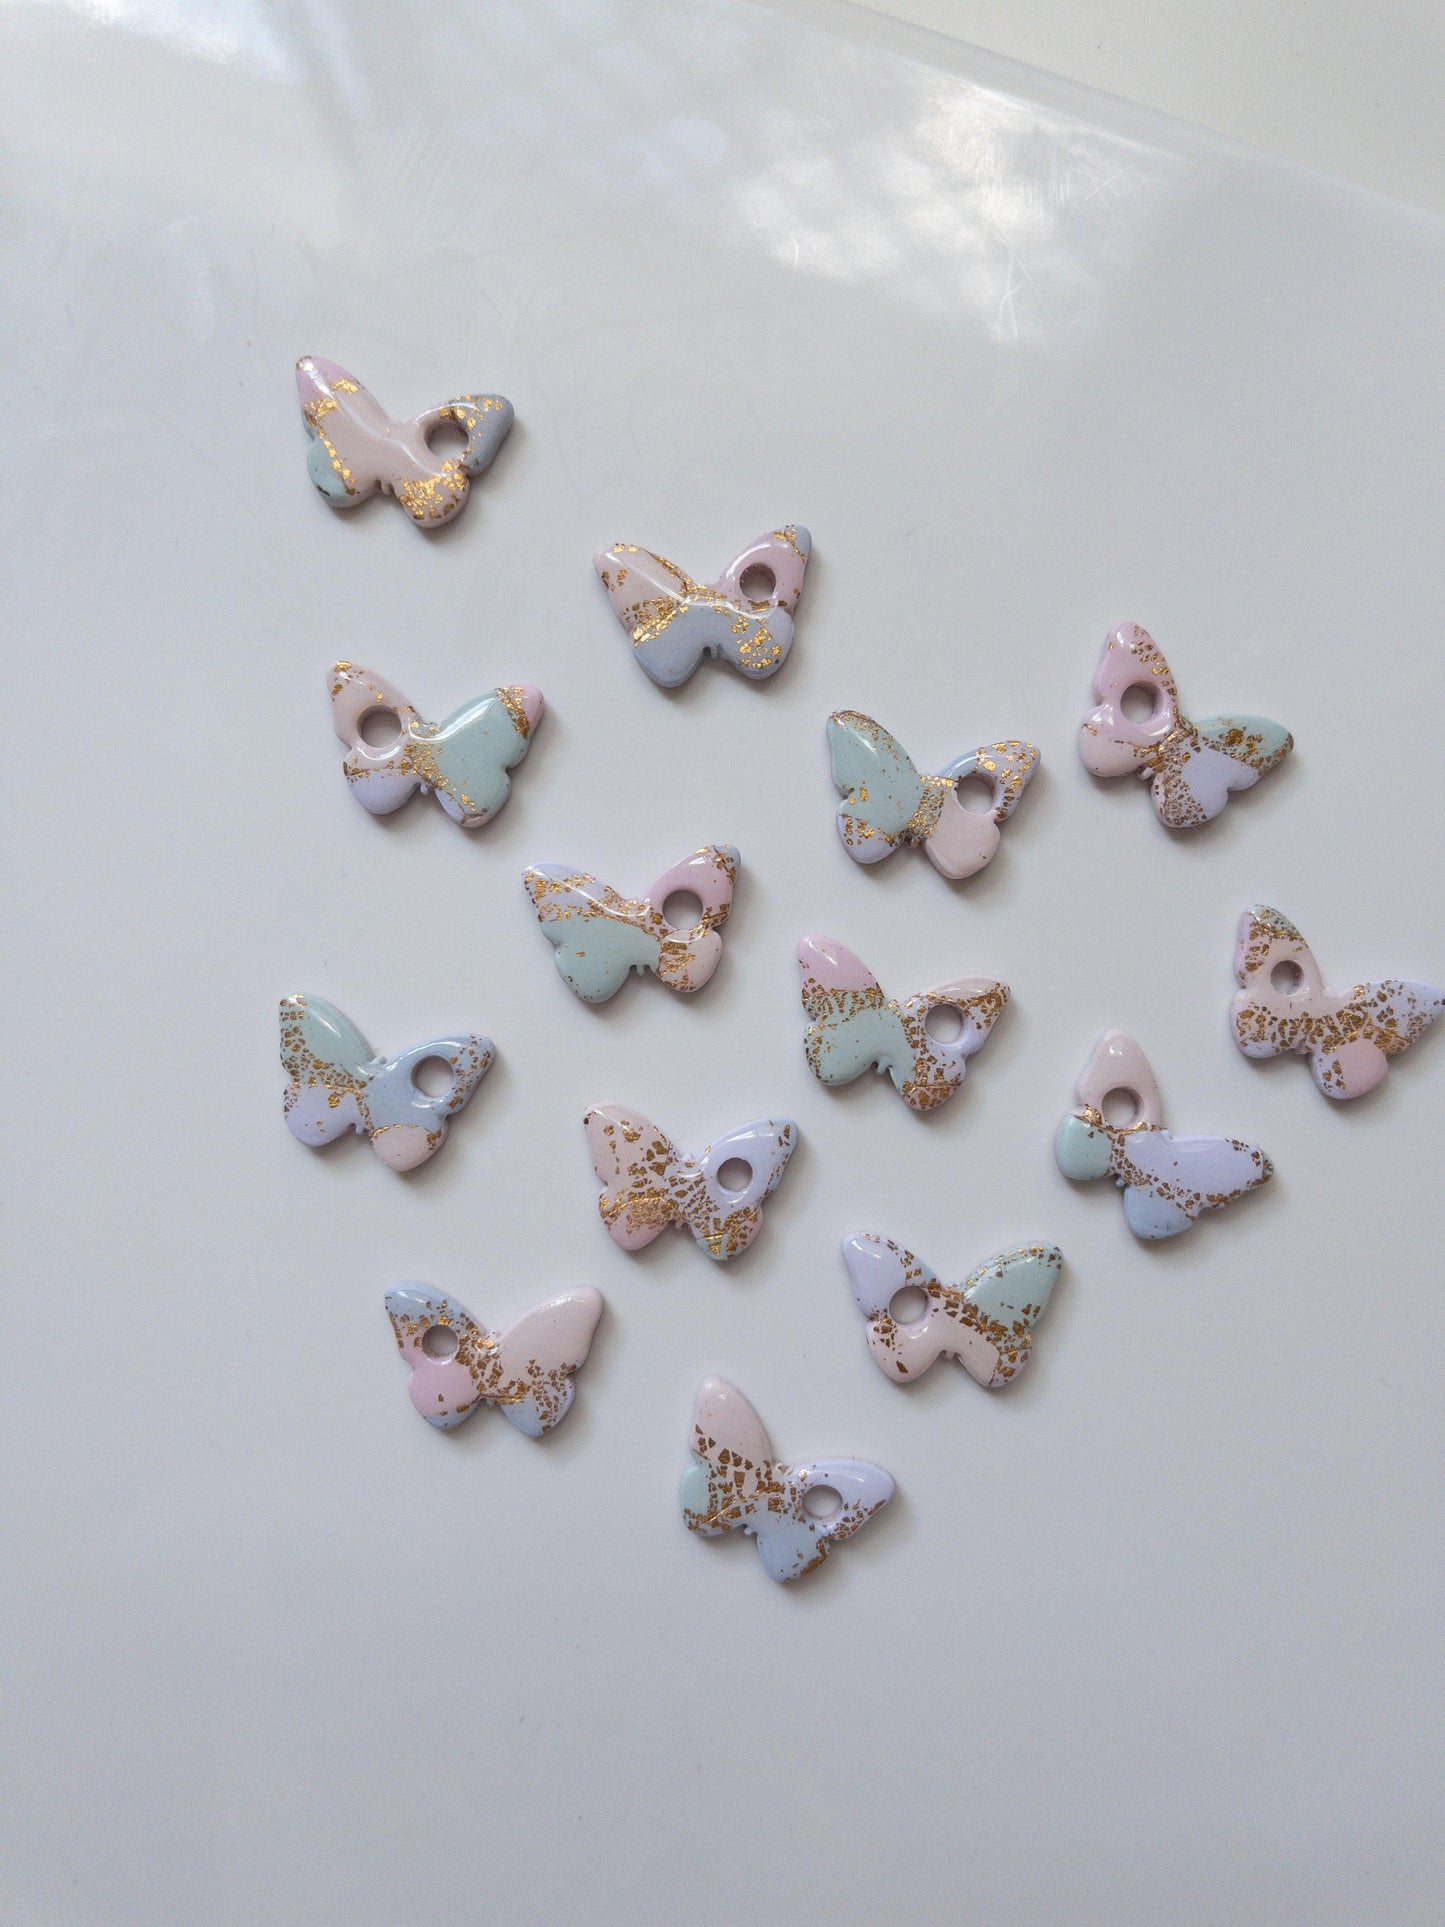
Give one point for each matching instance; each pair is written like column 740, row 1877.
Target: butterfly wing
column 723, row 1220
column 465, row 759
column 1169, row 1180
column 408, row 1124
column 1004, row 1298
column 599, row 937
column 328, row 1065
column 1111, row 743
column 851, row 1024
column 792, row 1541
column 380, row 775
column 883, row 792
column 934, row 1067
column 537, row 1355
column 902, row 1349
column 346, row 424
column 654, row 601
column 637, row 1166
column 444, row 1388
column 732, row 1472
column 485, row 420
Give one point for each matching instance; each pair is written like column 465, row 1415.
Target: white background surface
column 1153, row 1636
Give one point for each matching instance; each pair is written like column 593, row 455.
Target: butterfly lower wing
column 1168, row 1181
column 328, row 1066
column 635, row 1164
column 537, row 1355
column 883, row 791
column 1006, row 1296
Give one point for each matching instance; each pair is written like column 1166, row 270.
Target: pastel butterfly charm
column 1166, row 1180
column 797, row 1513
column 525, row 1369
column 337, row 1083
column 649, row 1184
column 986, row 1323
column 357, row 449
column 888, row 802
column 600, row 936
column 463, row 760
column 853, row 1027
column 1192, row 766
column 673, row 622
column 1349, row 1036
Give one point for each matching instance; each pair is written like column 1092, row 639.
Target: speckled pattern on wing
column 526, row 1369
column 987, row 1323
column 648, row 1184
column 600, row 936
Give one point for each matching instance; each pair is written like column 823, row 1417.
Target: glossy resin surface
column 986, row 1323
column 854, row 1027
column 337, row 1083
column 601, row 936
column 1167, row 1181
column 648, row 1184
column 356, row 449
column 463, row 760
column 526, row 1369
column 1191, row 767
column 1349, row 1036
column 734, row 1484
column 888, row 802
column 673, row 622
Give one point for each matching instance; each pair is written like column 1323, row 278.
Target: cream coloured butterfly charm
column 356, row 449
column 745, row 617
column 1167, row 1181
column 797, row 1513
column 648, row 1184
column 1192, row 767
column 1282, row 1005
column 525, row 1369
column 853, row 1027
column 986, row 1323
column 464, row 760
column 888, row 802
column 601, row 937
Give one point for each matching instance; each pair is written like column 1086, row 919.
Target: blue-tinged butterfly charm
column 601, row 936
column 797, row 1513
column 648, row 1184
column 745, row 617
column 525, row 1369
column 357, row 449
column 853, row 1027
column 986, row 1323
column 337, row 1083
column 463, row 760
column 887, row 801
column 1349, row 1036
column 1167, row 1181
column 1191, row 767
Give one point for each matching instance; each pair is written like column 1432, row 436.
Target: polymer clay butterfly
column 853, row 1027
column 649, row 1184
column 888, row 802
column 734, row 1484
column 1166, row 1180
column 357, row 449
column 1348, row 1036
column 463, row 760
column 337, row 1083
column 673, row 622
column 986, row 1323
column 600, row 936
column 1192, row 766
column 526, row 1369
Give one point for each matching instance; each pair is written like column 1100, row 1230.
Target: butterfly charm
column 526, row 1369
column 1193, row 766
column 1166, row 1180
column 673, row 622
column 357, row 449
column 986, row 1323
column 463, row 760
column 853, row 1027
column 601, row 936
column 649, row 1184
column 1349, row 1036
column 887, row 802
column 337, row 1083
column 735, row 1484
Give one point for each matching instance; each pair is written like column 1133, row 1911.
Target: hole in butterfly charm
column 797, row 1513
column 853, row 1027
column 356, row 449
column 888, row 802
column 648, row 1184
column 1167, row 1181
column 1192, row 767
column 525, row 1370
column 745, row 617
column 1348, row 1036
column 986, row 1323
column 600, row 936
column 463, row 760
column 337, row 1083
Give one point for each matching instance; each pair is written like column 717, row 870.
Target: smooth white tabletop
column 1150, row 1637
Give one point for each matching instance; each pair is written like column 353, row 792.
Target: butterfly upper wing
column 599, row 936
column 1169, row 1180
column 346, row 424
column 884, row 795
column 1004, row 1299
column 636, row 1167
column 328, row 1063
column 732, row 1467
column 445, row 1390
column 381, row 776
column 537, row 1355
column 851, row 1024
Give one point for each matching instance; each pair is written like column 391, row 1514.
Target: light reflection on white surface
column 219, row 30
